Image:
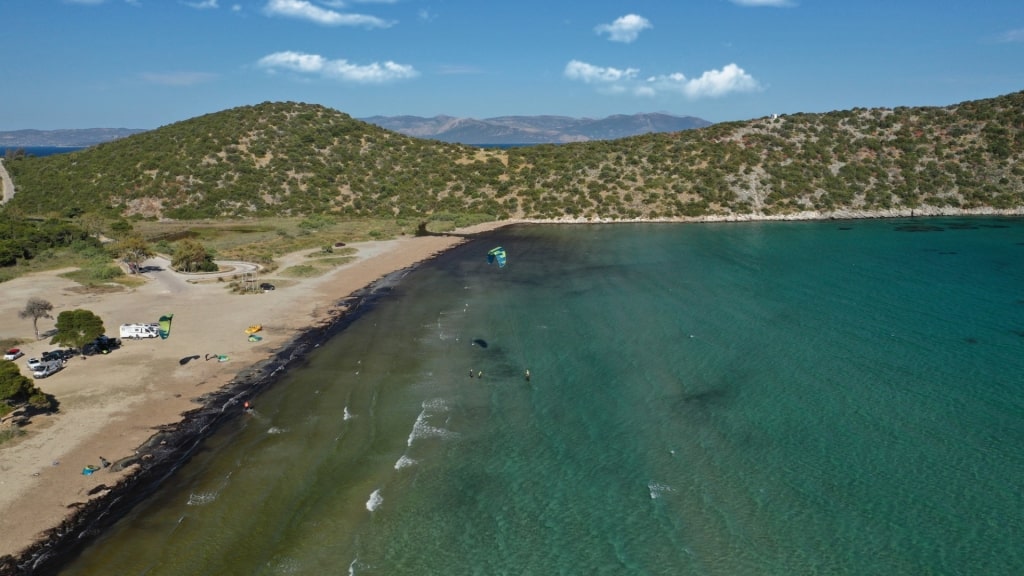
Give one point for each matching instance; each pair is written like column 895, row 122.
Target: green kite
column 165, row 325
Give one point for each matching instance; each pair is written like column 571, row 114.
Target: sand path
column 111, row 404
column 8, row 185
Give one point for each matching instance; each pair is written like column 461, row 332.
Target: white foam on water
column 375, row 500
column 437, row 405
column 404, row 462
column 657, row 490
column 423, row 429
column 276, row 430
column 356, row 565
column 347, row 415
column 201, row 498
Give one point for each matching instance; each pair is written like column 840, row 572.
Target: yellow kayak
column 254, row 329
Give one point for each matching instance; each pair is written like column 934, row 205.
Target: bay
column 745, row 398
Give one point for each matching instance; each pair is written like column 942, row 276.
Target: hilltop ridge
column 294, row 159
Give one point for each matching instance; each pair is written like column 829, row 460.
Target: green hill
column 292, row 159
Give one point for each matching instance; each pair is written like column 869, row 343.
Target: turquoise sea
column 775, row 398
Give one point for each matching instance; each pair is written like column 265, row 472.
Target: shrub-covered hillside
column 298, row 159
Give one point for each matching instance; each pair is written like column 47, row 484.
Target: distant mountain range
column 533, row 129
column 502, row 130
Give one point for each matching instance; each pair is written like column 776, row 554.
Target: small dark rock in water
column 971, row 340
column 919, row 228
column 845, row 228
column 480, row 342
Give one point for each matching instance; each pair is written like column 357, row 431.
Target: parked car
column 102, row 345
column 13, row 354
column 59, row 355
column 266, row 287
column 34, row 363
column 47, row 368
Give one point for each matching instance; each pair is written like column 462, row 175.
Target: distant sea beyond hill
column 40, row 150
column 500, row 131
column 76, row 138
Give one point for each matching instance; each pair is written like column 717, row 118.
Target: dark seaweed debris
column 173, row 446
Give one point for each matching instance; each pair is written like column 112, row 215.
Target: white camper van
column 137, row 331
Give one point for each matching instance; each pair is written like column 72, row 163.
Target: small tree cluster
column 16, row 390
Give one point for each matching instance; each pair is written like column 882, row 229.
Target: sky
column 149, row 63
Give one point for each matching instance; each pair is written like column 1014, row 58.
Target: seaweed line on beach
column 172, row 446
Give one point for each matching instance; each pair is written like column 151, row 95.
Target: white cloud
column 177, row 78
column 314, row 64
column 303, row 10
column 1012, row 36
column 624, row 29
column 772, row 3
column 203, row 5
column 711, row 84
column 590, row 74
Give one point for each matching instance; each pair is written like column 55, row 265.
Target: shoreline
column 149, row 411
column 166, row 446
column 173, row 446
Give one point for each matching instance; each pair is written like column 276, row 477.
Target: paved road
column 159, row 269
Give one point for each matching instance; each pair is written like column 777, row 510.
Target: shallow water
column 756, row 398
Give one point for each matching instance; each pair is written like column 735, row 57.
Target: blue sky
column 149, row 63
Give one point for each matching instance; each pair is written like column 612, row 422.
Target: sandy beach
column 110, row 405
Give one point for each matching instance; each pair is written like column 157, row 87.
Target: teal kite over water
column 496, row 255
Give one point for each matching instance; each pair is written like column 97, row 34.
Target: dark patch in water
column 919, row 228
column 480, row 342
column 961, row 226
column 845, row 228
column 971, row 340
column 947, row 252
column 1018, row 333
column 703, row 400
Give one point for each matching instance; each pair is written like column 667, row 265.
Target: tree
column 191, row 256
column 120, row 228
column 76, row 328
column 134, row 250
column 35, row 309
column 92, row 223
column 16, row 389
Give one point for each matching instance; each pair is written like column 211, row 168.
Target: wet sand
column 143, row 410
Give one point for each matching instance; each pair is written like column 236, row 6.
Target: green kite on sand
column 165, row 326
